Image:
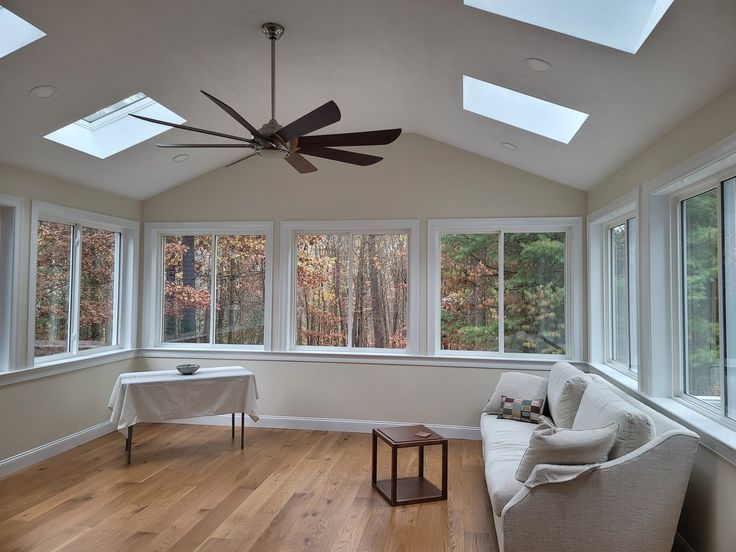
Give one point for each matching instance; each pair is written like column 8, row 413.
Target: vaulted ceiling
column 385, row 62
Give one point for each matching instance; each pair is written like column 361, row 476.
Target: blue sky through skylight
column 15, row 32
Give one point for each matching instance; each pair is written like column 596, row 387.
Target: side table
column 408, row 490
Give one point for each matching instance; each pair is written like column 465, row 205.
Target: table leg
column 374, row 467
column 444, row 470
column 421, row 460
column 232, row 435
column 394, row 474
column 130, row 442
column 242, row 430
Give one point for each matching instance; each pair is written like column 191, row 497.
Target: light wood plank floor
column 192, row 488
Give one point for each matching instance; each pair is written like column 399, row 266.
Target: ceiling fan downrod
column 273, row 31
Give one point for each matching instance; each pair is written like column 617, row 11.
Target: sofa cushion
column 565, row 388
column 552, row 445
column 504, row 443
column 601, row 406
column 516, row 385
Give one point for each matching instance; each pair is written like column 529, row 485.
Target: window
column 109, row 130
column 504, row 287
column 15, row 32
column 353, row 285
column 82, row 282
column 213, row 284
column 10, row 211
column 621, row 296
column 526, row 112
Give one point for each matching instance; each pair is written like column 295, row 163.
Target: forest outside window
column 351, row 286
column 82, row 278
column 621, row 301
column 500, row 288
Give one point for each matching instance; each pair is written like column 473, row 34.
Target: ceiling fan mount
column 293, row 141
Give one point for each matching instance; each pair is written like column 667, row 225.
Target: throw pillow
column 521, row 410
column 565, row 388
column 516, row 384
column 552, row 445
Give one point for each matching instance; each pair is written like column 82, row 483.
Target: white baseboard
column 331, row 424
column 681, row 545
column 37, row 454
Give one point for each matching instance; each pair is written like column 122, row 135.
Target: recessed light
column 180, row 158
column 43, row 91
column 510, row 146
column 538, row 64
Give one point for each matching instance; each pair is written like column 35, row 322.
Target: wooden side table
column 408, row 490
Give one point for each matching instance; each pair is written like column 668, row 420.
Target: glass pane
column 469, row 292
column 534, row 292
column 96, row 310
column 633, row 233
column 729, row 292
column 241, row 277
column 620, row 295
column 322, row 290
column 187, row 272
column 700, row 287
column 53, row 286
column 380, row 276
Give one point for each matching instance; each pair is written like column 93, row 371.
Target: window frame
column 621, row 219
column 153, row 269
column 10, row 291
column 571, row 226
column 289, row 231
column 125, row 274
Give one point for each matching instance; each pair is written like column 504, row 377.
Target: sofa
column 630, row 502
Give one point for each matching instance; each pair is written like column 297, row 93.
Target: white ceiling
column 386, row 63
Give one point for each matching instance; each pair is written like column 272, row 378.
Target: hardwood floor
column 192, row 488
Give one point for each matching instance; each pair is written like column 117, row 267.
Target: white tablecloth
column 167, row 395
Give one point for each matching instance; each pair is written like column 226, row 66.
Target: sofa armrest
column 630, row 504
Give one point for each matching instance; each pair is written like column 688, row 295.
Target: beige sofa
column 630, row 503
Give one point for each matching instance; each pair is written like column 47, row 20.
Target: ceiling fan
column 291, row 142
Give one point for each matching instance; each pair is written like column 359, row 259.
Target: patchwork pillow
column 565, row 388
column 516, row 384
column 521, row 410
column 560, row 446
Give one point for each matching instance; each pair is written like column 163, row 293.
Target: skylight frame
column 99, row 118
column 623, row 25
column 16, row 33
column 520, row 110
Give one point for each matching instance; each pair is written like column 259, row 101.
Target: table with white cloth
column 169, row 395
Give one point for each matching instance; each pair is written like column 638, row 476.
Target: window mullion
column 213, row 288
column 501, row 293
column 117, row 295
column 721, row 303
column 75, row 289
column 351, row 307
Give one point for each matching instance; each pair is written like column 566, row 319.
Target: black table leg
column 242, row 429
column 129, row 442
column 232, row 436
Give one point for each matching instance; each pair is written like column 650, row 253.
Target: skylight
column 109, row 130
column 620, row 24
column 522, row 111
column 15, row 32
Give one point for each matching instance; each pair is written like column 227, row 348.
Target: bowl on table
column 187, row 369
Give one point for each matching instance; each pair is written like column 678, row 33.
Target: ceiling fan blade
column 301, row 164
column 369, row 138
column 321, row 117
column 234, row 114
column 340, row 155
column 204, row 145
column 241, row 159
column 193, row 129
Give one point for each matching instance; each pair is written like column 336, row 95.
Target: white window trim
column 599, row 329
column 153, row 295
column 9, row 296
column 571, row 226
column 127, row 279
column 289, row 231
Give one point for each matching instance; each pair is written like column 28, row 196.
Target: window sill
column 63, row 366
column 349, row 357
column 714, row 435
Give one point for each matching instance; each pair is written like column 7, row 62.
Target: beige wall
column 36, row 412
column 707, row 521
